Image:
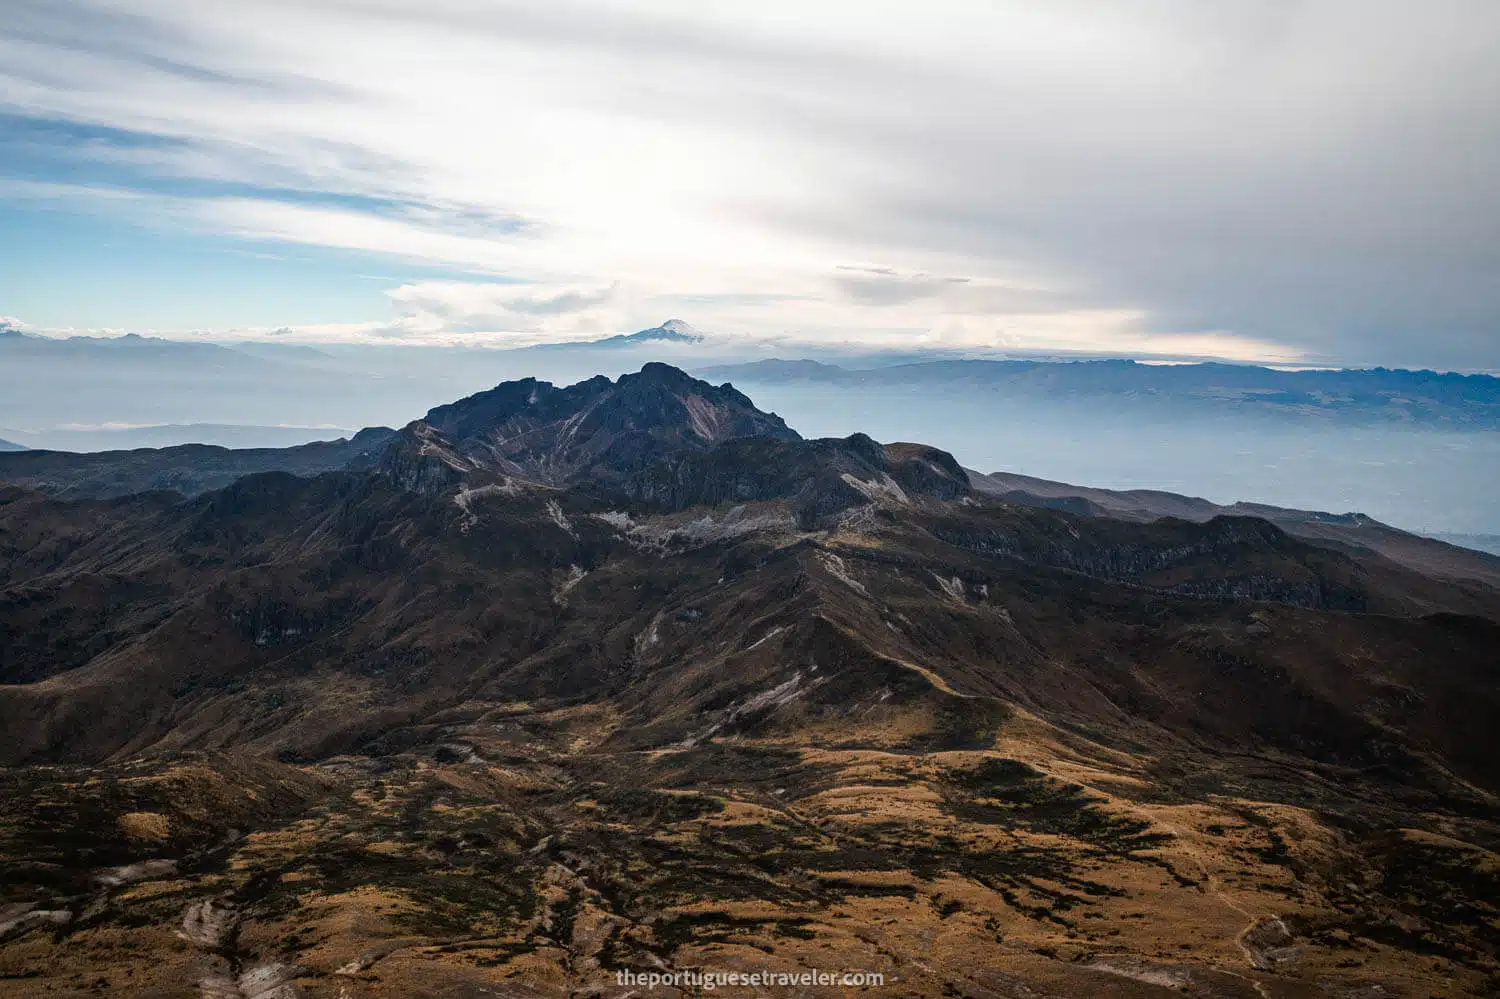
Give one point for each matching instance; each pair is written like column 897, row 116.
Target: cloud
column 521, row 313
column 562, row 303
column 1318, row 179
column 884, row 286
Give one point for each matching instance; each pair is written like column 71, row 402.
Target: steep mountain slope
column 163, row 612
column 595, row 430
column 1351, row 532
column 6, row 445
column 628, row 676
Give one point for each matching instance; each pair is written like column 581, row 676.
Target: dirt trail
column 1190, row 851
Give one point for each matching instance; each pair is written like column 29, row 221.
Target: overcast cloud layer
column 1278, row 180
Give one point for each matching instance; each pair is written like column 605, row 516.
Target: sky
column 1297, row 182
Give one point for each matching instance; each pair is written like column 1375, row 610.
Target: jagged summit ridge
column 662, row 439
column 594, row 430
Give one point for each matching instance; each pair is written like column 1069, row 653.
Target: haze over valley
column 1417, row 450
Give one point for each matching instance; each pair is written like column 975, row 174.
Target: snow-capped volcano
column 673, row 330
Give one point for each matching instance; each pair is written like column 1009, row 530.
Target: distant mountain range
column 1380, row 395
column 122, row 438
column 132, row 348
column 6, row 445
column 1351, row 532
column 134, row 379
column 188, row 469
column 52, row 386
column 1191, row 428
column 1479, row 542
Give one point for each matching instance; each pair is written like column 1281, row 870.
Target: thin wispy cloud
column 1290, row 180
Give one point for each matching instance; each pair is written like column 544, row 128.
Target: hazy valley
column 1415, row 449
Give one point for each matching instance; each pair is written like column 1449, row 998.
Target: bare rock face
column 659, row 438
column 1269, row 944
column 210, row 925
column 269, row 981
column 596, row 431
column 17, row 918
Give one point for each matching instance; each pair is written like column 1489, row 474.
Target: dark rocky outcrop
column 595, row 431
column 818, row 478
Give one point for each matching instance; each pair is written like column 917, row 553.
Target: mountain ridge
column 1419, row 397
column 597, row 428
column 191, row 470
column 188, row 469
column 1433, row 556
column 625, row 680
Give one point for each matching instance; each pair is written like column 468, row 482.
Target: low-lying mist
column 1417, row 479
column 1427, row 477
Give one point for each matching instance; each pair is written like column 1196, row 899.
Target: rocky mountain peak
column 664, row 440
column 595, row 430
